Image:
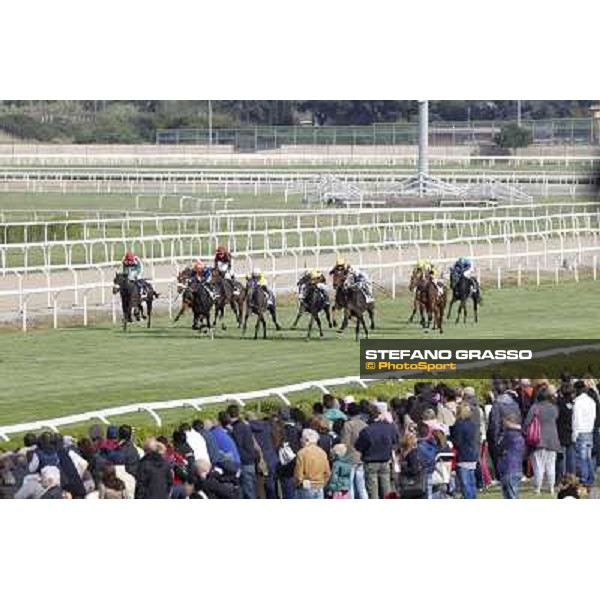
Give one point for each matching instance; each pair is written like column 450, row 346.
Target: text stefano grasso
column 458, row 354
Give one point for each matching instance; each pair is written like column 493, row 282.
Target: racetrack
column 50, row 373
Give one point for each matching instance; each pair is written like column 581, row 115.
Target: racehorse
column 202, row 304
column 416, row 283
column 257, row 302
column 132, row 301
column 340, row 279
column 356, row 306
column 464, row 288
column 315, row 300
column 430, row 300
column 229, row 292
column 187, row 295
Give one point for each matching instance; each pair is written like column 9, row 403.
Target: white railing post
column 499, row 280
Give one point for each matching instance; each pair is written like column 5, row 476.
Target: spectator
column 244, row 440
column 544, row 453
column 412, row 477
column 510, row 458
column 350, row 432
column 155, row 478
column 464, row 435
column 212, row 483
column 229, row 456
column 50, row 480
column 196, row 442
column 286, row 438
column 111, row 487
column 504, row 403
column 375, row 443
column 565, row 460
column 584, row 418
column 340, row 481
column 45, row 454
column 126, row 453
column 211, row 445
column 311, row 471
column 261, row 429
column 427, row 450
column 332, row 410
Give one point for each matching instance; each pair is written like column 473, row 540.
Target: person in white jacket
column 584, row 417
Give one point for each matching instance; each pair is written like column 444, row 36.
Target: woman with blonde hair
column 464, row 437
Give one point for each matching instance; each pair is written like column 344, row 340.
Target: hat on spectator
column 349, row 400
column 469, row 392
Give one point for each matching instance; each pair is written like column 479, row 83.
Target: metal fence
column 441, row 133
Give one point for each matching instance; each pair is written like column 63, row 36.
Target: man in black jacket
column 154, row 475
column 128, row 454
column 213, row 483
column 242, row 434
column 375, row 443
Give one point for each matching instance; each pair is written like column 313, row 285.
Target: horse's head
column 215, row 275
column 339, row 278
column 415, row 278
column 118, row 281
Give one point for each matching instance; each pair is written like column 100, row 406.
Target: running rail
column 151, row 408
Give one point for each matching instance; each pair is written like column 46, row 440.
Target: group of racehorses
column 431, row 296
column 208, row 301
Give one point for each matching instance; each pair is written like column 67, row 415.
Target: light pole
column 423, row 144
column 210, row 123
column 519, row 113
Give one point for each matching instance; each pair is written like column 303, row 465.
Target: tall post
column 210, row 136
column 423, row 144
column 519, row 113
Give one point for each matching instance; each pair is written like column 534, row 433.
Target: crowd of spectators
column 439, row 442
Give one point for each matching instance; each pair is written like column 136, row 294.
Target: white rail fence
column 273, row 182
column 327, row 233
column 356, row 155
column 388, row 274
column 152, row 408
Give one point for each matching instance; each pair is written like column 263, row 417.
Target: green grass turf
column 48, row 373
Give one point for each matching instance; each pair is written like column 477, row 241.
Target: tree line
column 136, row 121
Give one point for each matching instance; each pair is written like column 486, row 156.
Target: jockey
column 362, row 280
column 341, row 266
column 463, row 266
column 133, row 268
column 258, row 277
column 318, row 280
column 223, row 262
column 202, row 275
column 423, row 265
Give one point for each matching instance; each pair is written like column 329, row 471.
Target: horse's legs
column 319, row 324
column 364, row 324
column 328, row 315
column 310, row 324
column 273, row 314
column 149, row 310
column 245, row 321
column 344, row 321
column 371, row 311
column 333, row 321
column 422, row 311
column 475, row 302
column 450, row 307
column 178, row 316
column 295, row 323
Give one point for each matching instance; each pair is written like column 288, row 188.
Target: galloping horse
column 314, row 301
column 202, row 304
column 356, row 306
column 340, row 280
column 229, row 292
column 183, row 288
column 257, row 302
column 430, row 299
column 464, row 288
column 132, row 301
